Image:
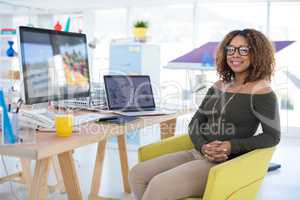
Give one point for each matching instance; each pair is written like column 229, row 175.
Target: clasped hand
column 216, row 151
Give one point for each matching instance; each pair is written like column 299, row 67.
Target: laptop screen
column 128, row 92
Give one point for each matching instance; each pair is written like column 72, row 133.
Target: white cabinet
column 135, row 59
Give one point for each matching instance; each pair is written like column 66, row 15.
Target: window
column 285, row 26
column 172, row 30
column 109, row 24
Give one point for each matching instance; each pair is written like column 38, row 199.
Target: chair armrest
column 169, row 145
column 230, row 177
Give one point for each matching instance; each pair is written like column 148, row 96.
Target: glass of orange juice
column 64, row 125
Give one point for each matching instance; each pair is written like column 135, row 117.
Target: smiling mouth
column 236, row 63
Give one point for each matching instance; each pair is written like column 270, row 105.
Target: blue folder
column 7, row 130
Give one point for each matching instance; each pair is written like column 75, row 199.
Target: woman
column 224, row 125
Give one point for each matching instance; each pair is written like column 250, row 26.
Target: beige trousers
column 169, row 177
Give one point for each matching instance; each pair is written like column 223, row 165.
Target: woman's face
column 238, row 54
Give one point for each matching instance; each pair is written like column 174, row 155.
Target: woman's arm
column 199, row 118
column 265, row 108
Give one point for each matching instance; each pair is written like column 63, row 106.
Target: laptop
column 130, row 95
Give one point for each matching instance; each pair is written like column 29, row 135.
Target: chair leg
column 273, row 167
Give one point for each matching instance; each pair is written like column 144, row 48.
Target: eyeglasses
column 243, row 50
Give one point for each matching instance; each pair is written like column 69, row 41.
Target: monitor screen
column 54, row 65
column 128, row 92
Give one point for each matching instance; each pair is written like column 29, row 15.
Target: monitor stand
column 40, row 106
column 42, row 109
column 47, row 108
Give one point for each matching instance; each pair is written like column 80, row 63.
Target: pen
column 19, row 103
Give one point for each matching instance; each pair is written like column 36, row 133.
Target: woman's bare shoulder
column 218, row 84
column 259, row 87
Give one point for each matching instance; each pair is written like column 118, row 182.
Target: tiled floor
column 282, row 184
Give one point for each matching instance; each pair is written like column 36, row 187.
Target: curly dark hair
column 262, row 61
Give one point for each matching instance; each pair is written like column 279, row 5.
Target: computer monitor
column 54, row 65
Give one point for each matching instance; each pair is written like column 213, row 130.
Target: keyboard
column 142, row 113
column 82, row 119
column 90, row 117
column 44, row 120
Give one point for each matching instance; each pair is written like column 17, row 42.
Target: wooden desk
column 49, row 145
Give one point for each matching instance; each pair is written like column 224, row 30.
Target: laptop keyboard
column 141, row 110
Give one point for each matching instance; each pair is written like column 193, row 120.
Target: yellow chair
column 236, row 179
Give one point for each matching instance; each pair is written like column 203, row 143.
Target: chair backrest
column 239, row 178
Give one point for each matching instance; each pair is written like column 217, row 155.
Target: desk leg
column 39, row 187
column 124, row 162
column 27, row 178
column 26, row 174
column 23, row 176
column 96, row 181
column 167, row 128
column 69, row 175
column 60, row 187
